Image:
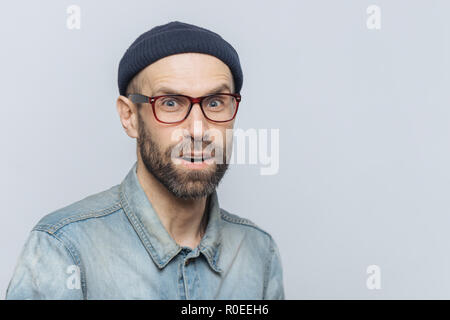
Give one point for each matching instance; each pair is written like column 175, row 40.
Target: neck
column 184, row 219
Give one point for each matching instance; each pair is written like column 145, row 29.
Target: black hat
column 172, row 38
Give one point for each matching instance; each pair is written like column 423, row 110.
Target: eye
column 170, row 102
column 215, row 102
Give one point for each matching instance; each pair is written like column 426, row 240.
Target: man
column 160, row 234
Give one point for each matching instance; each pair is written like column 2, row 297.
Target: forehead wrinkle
column 221, row 88
column 168, row 84
column 185, row 73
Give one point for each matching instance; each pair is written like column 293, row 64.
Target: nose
column 196, row 122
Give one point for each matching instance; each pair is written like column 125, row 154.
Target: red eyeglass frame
column 140, row 98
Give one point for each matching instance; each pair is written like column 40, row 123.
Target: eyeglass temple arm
column 138, row 98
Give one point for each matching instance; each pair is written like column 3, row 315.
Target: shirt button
column 186, row 262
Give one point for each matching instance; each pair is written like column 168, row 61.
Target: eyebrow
column 218, row 89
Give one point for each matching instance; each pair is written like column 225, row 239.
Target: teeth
column 193, row 159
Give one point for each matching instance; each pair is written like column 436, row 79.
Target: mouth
column 196, row 159
column 196, row 162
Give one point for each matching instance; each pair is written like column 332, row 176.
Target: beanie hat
column 172, row 38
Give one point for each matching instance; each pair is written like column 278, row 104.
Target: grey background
column 363, row 117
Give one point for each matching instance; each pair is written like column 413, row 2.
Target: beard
column 182, row 183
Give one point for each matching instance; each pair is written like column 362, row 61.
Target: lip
column 195, row 155
column 196, row 163
column 199, row 157
column 195, row 159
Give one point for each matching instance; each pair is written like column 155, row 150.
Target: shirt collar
column 157, row 241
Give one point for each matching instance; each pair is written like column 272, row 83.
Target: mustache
column 188, row 146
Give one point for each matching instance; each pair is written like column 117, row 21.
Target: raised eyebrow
column 219, row 89
column 165, row 90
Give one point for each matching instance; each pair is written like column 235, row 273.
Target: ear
column 128, row 116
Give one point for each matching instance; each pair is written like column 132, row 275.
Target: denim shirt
column 112, row 245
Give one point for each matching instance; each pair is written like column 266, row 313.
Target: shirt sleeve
column 274, row 289
column 45, row 270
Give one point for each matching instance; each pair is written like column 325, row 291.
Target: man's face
column 161, row 146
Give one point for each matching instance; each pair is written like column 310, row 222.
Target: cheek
column 222, row 135
column 167, row 136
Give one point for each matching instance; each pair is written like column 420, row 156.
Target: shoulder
column 244, row 224
column 96, row 205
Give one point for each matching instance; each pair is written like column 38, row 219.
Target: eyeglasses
column 175, row 108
